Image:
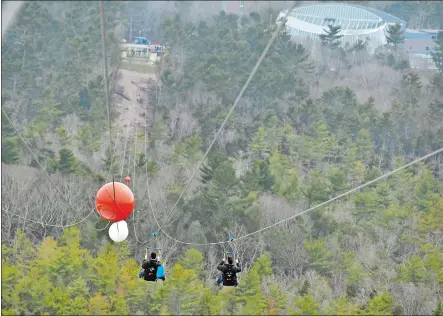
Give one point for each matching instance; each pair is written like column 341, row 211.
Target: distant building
column 142, row 41
column 419, row 44
column 357, row 22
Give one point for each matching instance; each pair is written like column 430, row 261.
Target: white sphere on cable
column 118, row 232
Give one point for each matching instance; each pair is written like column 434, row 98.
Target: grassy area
column 141, row 68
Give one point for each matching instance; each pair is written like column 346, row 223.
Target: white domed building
column 356, row 22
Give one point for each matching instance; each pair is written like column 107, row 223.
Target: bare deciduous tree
column 415, row 300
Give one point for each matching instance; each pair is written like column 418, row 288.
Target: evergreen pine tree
column 306, row 305
column 63, row 136
column 142, row 160
column 359, row 46
column 305, row 288
column 413, row 270
column 395, row 35
column 332, row 37
column 381, row 304
column 7, row 129
column 192, row 148
column 214, row 160
column 151, row 167
column 337, row 179
column 10, row 152
column 438, row 311
column 67, row 162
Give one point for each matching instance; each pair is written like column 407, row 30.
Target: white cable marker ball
column 122, row 223
column 118, row 232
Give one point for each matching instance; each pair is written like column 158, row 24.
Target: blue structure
column 421, row 35
column 142, row 41
column 161, row 272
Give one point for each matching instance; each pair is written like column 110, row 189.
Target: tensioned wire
column 254, row 70
column 303, row 212
column 237, row 100
column 106, row 84
column 50, row 180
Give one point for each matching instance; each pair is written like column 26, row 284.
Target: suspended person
column 219, row 278
column 152, row 269
column 229, row 272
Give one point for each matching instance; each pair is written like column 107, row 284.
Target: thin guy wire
column 110, row 134
column 146, row 168
column 124, row 154
column 308, row 210
column 105, row 57
column 46, row 173
column 113, row 155
column 133, row 189
column 245, row 86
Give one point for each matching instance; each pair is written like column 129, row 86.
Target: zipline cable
column 106, row 83
column 112, row 155
column 133, row 182
column 303, row 212
column 245, row 86
column 133, row 190
column 133, row 186
column 50, row 180
column 155, row 217
column 46, row 173
column 219, row 131
column 110, row 139
column 124, row 154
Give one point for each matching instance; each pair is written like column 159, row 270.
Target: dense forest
column 418, row 14
column 304, row 132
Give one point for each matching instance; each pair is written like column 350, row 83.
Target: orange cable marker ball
column 118, row 210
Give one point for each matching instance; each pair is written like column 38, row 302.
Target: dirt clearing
column 130, row 99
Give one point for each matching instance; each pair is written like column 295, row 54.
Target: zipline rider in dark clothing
column 150, row 268
column 229, row 271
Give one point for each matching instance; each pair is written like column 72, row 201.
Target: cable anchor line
column 106, row 83
column 436, row 152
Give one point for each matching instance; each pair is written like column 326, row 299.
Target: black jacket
column 150, row 267
column 229, row 273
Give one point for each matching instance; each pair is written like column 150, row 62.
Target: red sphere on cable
column 118, row 209
column 127, row 179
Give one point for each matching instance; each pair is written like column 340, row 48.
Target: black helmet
column 230, row 260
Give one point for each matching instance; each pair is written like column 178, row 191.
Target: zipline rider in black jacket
column 229, row 271
column 150, row 268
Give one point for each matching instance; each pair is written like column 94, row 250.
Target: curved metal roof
column 383, row 15
column 349, row 17
column 340, row 11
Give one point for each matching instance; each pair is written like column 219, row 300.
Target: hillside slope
column 131, row 102
column 299, row 137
